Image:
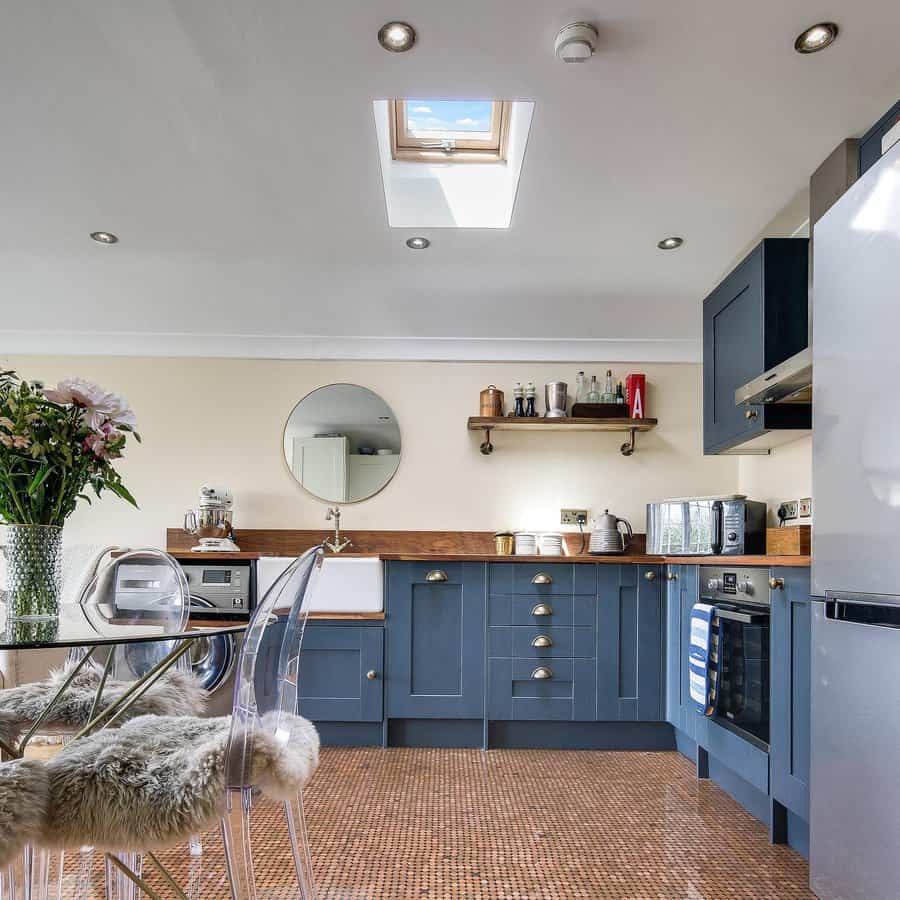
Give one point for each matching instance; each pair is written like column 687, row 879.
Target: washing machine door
column 212, row 658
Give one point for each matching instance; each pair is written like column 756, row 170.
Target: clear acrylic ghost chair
column 278, row 623
column 149, row 587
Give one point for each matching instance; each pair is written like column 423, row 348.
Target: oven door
column 742, row 697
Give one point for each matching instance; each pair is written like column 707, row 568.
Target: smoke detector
column 576, row 42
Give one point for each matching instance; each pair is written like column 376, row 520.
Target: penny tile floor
column 510, row 825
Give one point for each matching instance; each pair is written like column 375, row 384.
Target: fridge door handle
column 857, row 612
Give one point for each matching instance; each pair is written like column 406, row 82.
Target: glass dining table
column 75, row 627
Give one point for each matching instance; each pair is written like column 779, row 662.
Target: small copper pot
column 491, row 401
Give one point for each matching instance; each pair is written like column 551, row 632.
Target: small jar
column 504, row 542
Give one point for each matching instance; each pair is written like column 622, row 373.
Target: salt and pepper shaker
column 518, row 394
column 530, row 393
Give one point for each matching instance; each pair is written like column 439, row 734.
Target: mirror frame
column 284, row 436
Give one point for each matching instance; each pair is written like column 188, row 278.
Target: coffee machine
column 211, row 521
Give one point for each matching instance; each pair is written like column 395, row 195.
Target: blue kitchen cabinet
column 790, row 691
column 335, row 662
column 755, row 319
column 435, row 640
column 630, row 643
column 342, row 673
column 870, row 150
column 682, row 591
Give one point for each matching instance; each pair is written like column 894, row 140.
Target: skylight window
column 449, row 130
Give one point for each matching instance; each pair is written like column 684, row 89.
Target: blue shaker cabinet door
column 674, row 575
column 790, row 700
column 629, row 643
column 336, row 663
column 435, row 633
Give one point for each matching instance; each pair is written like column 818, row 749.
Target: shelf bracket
column 628, row 447
column 487, row 448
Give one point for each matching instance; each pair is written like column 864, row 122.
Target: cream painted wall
column 221, row 420
column 786, row 474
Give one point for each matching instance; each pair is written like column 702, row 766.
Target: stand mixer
column 211, row 521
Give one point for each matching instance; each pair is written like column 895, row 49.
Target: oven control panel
column 740, row 584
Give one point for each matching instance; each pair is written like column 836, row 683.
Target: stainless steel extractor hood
column 791, row 380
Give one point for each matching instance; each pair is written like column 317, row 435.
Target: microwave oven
column 706, row 526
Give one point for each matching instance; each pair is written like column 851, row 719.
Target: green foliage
column 51, row 452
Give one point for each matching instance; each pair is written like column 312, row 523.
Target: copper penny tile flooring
column 509, row 825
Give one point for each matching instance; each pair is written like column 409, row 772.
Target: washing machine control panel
column 223, row 588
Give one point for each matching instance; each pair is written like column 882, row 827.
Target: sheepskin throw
column 175, row 693
column 23, row 805
column 156, row 780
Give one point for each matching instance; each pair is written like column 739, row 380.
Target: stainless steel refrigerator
column 855, row 739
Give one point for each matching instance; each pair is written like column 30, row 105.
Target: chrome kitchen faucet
column 337, row 544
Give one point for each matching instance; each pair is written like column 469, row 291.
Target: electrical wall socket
column 573, row 517
column 806, row 507
column 789, row 508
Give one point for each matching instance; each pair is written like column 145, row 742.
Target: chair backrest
column 145, row 586
column 275, row 632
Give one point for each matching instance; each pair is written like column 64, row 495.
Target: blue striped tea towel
column 703, row 657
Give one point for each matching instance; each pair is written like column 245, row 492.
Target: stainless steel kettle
column 607, row 537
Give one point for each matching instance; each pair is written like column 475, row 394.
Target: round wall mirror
column 342, row 443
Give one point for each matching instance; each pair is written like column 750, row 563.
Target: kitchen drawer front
column 542, row 611
column 537, row 579
column 742, row 757
column 565, row 641
column 567, row 694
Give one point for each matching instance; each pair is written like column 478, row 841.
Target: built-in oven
column 741, row 599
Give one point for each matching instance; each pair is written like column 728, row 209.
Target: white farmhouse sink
column 345, row 585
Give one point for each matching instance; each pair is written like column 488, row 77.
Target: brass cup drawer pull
column 776, row 584
column 542, row 673
column 436, row 575
column 371, row 674
column 650, row 576
column 542, row 578
column 671, row 576
column 542, row 640
column 542, row 609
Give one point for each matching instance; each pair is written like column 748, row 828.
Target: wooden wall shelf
column 487, row 424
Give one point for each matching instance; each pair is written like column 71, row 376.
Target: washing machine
column 219, row 590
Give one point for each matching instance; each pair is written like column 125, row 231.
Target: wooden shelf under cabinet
column 487, row 424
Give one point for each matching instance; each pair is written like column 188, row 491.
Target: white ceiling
column 231, row 146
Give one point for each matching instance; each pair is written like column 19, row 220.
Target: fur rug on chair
column 24, row 789
column 157, row 780
column 176, row 693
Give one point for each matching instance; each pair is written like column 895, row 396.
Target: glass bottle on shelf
column 581, row 388
column 620, row 394
column 593, row 393
column 519, row 394
column 609, row 391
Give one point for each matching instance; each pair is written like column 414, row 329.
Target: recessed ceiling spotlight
column 104, row 237
column 816, row 38
column 670, row 243
column 418, row 243
column 398, row 37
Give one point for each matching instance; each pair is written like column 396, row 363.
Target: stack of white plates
column 526, row 544
column 606, row 542
column 551, row 544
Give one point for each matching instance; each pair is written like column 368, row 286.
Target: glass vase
column 34, row 571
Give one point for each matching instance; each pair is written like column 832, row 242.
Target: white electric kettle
column 606, row 536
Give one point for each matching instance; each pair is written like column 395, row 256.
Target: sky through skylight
column 454, row 116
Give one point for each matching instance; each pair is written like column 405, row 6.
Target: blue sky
column 448, row 115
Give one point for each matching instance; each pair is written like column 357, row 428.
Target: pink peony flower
column 99, row 406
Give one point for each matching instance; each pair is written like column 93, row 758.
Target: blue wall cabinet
column 630, row 643
column 435, row 640
column 790, row 680
column 342, row 673
column 755, row 319
column 870, row 143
